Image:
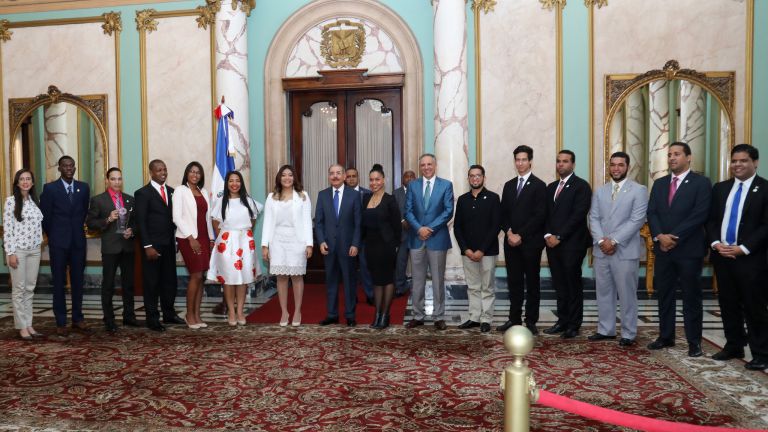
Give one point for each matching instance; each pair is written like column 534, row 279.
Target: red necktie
column 162, row 194
column 672, row 190
column 559, row 189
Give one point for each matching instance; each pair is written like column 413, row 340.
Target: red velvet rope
column 618, row 418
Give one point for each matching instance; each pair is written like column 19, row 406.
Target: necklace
column 375, row 200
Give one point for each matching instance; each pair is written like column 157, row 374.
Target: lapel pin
column 78, row 190
column 528, row 183
column 685, row 181
column 756, row 188
column 567, row 186
column 485, row 197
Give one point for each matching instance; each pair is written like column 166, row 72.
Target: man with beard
column 476, row 227
column 617, row 214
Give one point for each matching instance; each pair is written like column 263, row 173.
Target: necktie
column 559, row 189
column 162, row 194
column 520, row 186
column 69, row 192
column 427, row 194
column 730, row 232
column 672, row 190
column 336, row 203
column 118, row 202
column 615, row 193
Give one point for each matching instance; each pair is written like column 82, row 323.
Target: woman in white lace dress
column 286, row 240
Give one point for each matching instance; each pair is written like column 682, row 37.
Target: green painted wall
column 576, row 86
column 760, row 84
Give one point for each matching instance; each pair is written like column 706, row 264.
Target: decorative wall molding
column 484, row 5
column 598, row 3
column 113, row 23
column 5, row 33
column 22, row 6
column 750, row 48
column 343, row 47
column 552, row 4
column 145, row 22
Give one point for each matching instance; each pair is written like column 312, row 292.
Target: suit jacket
column 619, row 220
column 64, row 220
column 185, row 214
column 567, row 217
column 101, row 206
column 752, row 232
column 525, row 214
column 685, row 218
column 388, row 223
column 399, row 195
column 343, row 232
column 435, row 216
column 154, row 219
column 302, row 219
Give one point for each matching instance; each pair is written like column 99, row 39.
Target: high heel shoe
column 384, row 322
column 296, row 321
column 284, row 321
column 241, row 322
column 376, row 321
column 192, row 326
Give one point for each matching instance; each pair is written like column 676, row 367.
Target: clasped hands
column 607, row 247
column 475, row 256
column 425, row 233
column 324, row 249
column 667, row 242
column 513, row 239
column 726, row 251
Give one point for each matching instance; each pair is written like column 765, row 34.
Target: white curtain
column 318, row 147
column 374, row 140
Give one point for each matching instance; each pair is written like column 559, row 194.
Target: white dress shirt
column 729, row 205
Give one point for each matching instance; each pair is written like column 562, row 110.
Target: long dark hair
column 278, row 189
column 243, row 195
column 17, row 193
column 189, row 167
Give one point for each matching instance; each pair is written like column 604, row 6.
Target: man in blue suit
column 64, row 204
column 338, row 213
column 677, row 211
column 428, row 208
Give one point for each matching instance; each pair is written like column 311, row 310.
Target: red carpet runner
column 314, row 310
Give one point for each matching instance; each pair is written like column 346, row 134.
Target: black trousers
column 523, row 281
column 743, row 298
column 110, row 263
column 160, row 282
column 668, row 272
column 565, row 266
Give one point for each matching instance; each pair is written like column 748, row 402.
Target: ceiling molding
column 23, row 6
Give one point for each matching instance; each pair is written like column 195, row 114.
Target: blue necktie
column 730, row 232
column 336, row 203
column 69, row 193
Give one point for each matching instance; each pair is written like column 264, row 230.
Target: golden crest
column 343, row 43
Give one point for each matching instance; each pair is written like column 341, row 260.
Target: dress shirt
column 729, row 205
column 565, row 180
column 341, row 196
column 613, row 186
column 680, row 178
column 157, row 185
column 27, row 234
column 116, row 195
column 66, row 185
column 525, row 177
column 424, row 181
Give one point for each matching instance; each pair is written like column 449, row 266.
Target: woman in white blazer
column 194, row 234
column 286, row 239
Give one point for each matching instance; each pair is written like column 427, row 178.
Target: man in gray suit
column 401, row 278
column 617, row 214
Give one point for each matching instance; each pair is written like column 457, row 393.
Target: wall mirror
column 646, row 112
column 51, row 125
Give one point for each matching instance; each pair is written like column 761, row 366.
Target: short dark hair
column 351, row 168
column 113, row 169
column 480, row 167
column 153, row 162
column 685, row 146
column 189, row 167
column 748, row 149
column 524, row 149
column 65, row 157
column 620, row 154
column 568, row 152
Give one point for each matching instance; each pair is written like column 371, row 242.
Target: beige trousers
column 23, row 281
column 481, row 283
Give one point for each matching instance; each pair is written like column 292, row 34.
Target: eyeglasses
column 476, row 176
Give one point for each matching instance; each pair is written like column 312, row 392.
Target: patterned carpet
column 267, row 378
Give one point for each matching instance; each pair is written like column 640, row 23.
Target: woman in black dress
column 381, row 236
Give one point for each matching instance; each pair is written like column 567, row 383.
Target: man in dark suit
column 338, row 214
column 738, row 235
column 567, row 239
column 154, row 220
column 352, row 181
column 677, row 211
column 523, row 212
column 401, row 265
column 64, row 204
column 111, row 213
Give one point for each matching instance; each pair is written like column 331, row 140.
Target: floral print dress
column 233, row 259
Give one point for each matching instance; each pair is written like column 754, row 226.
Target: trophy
column 123, row 216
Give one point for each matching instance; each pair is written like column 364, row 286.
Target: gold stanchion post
column 517, row 382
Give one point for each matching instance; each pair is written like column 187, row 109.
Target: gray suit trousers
column 616, row 277
column 420, row 259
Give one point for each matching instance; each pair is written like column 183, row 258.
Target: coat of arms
column 343, row 43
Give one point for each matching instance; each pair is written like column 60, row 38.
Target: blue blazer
column 685, row 218
column 342, row 233
column 64, row 221
column 435, row 216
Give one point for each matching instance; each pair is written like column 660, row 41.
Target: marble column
column 451, row 121
column 693, row 114
column 56, row 138
column 658, row 133
column 634, row 118
column 232, row 78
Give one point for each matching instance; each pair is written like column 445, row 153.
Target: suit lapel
column 754, row 189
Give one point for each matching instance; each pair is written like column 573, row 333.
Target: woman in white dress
column 286, row 240
column 233, row 260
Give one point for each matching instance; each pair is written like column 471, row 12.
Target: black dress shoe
column 414, row 323
column 626, row 342
column 485, row 327
column 532, row 328
column 660, row 343
column 694, row 350
column 468, row 325
column 131, row 322
column 383, row 322
column 504, row 327
column 757, row 364
column 329, row 321
column 351, row 323
column 110, row 326
column 725, row 354
column 555, row 329
column 440, row 325
column 569, row 334
column 174, row 320
column 376, row 321
column 156, row 326
column 599, row 336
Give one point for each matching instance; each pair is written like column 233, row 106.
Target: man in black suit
column 111, row 213
column 677, row 211
column 338, row 215
column 523, row 212
column 352, row 180
column 154, row 220
column 567, row 239
column 401, row 266
column 64, row 204
column 738, row 235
